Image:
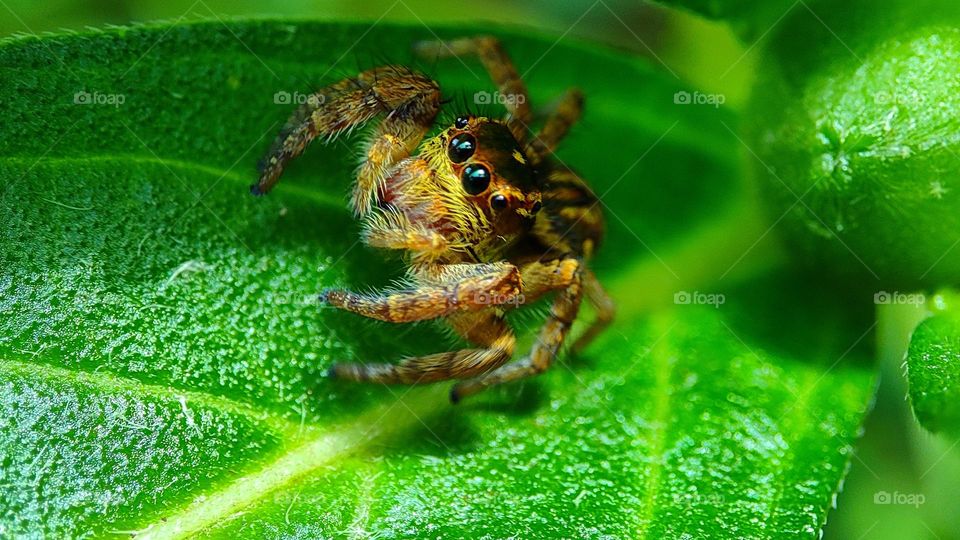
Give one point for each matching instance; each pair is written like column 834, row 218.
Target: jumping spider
column 488, row 217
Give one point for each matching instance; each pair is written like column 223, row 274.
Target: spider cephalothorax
column 481, row 191
column 489, row 218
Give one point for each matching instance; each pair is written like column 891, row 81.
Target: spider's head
column 482, row 192
column 493, row 171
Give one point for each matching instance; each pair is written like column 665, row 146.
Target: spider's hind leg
column 410, row 100
column 561, row 117
column 501, row 70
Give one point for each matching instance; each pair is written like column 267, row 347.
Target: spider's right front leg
column 410, row 99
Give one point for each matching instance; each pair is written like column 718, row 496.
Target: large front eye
column 461, row 147
column 475, row 179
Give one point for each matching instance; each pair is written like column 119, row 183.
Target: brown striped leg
column 542, row 277
column 558, row 123
column 552, row 334
column 604, row 306
column 451, row 288
column 481, row 328
column 410, row 100
column 501, row 70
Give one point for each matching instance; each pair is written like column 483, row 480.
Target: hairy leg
column 411, row 101
column 605, row 307
column 542, row 277
column 551, row 338
column 501, row 70
column 486, row 329
column 558, row 123
column 441, row 291
column 393, row 230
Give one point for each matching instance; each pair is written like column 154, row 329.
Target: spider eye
column 461, row 122
column 475, row 179
column 461, row 147
column 498, row 202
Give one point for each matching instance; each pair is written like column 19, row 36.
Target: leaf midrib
column 663, row 358
column 375, row 425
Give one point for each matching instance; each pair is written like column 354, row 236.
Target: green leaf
column 856, row 142
column 846, row 32
column 750, row 18
column 161, row 359
column 933, row 367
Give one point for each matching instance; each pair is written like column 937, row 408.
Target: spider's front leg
column 483, row 328
column 410, row 100
column 501, row 70
column 441, row 290
column 463, row 293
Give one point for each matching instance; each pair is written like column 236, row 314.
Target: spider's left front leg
column 462, row 292
column 565, row 274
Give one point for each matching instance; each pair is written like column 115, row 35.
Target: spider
column 488, row 218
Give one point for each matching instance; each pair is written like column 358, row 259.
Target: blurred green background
column 895, row 456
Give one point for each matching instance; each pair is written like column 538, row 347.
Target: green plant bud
column 933, row 366
column 862, row 157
